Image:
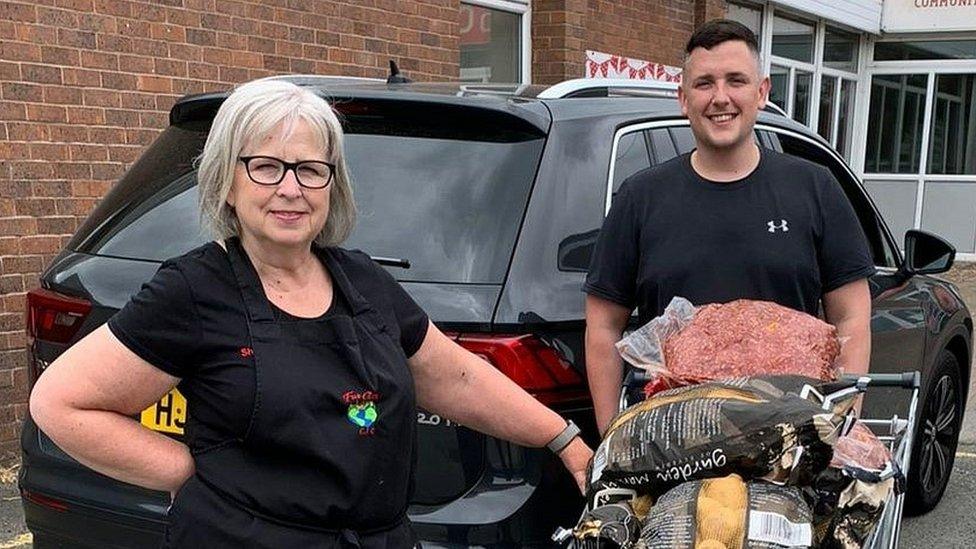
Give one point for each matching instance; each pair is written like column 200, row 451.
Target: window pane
column 894, row 142
column 843, row 144
column 780, row 80
column 828, row 96
column 747, row 15
column 491, row 44
column 801, row 97
column 952, row 143
column 792, row 39
column 925, row 49
column 631, row 157
column 840, row 50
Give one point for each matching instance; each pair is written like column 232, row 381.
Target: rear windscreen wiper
column 391, row 261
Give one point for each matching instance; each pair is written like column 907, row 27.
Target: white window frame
column 816, row 69
column 523, row 9
column 931, row 69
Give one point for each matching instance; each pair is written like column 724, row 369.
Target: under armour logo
column 773, row 227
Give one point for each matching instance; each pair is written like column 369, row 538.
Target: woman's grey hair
column 249, row 115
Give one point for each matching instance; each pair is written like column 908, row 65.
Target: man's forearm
column 855, row 350
column 604, row 370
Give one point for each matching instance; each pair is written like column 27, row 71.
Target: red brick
column 122, row 118
column 9, row 71
column 105, row 24
column 11, row 283
column 27, row 131
column 158, row 84
column 48, row 151
column 57, row 17
column 48, row 189
column 140, row 137
column 10, row 110
column 79, row 151
column 169, row 67
column 50, row 225
column 136, row 63
column 76, row 38
column 86, row 115
column 36, row 34
column 60, row 56
column 155, row 48
column 163, row 31
column 62, row 95
column 67, row 133
column 102, row 98
column 22, row 264
column 114, row 43
column 186, row 52
column 72, row 170
column 46, row 113
column 80, row 77
column 119, row 81
column 99, row 60
column 41, row 244
column 17, row 226
column 17, row 11
column 44, row 74
column 106, row 172
column 18, row 51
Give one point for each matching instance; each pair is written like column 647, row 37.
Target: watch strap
column 563, row 439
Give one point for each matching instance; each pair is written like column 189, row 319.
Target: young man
column 727, row 221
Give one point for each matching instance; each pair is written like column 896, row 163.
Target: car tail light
column 44, row 501
column 52, row 317
column 533, row 365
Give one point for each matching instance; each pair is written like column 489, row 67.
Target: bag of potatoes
column 727, row 513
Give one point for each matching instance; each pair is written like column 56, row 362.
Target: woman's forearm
column 118, row 446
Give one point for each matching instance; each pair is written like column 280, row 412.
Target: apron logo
column 246, row 352
column 362, row 410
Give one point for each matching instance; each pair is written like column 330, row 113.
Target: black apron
column 327, row 458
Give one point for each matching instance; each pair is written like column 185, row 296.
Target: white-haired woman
column 302, row 362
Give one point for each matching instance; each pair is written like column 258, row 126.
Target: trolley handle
column 906, row 380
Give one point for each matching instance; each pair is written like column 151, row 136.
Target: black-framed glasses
column 268, row 170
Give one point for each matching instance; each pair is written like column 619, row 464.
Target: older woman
column 303, row 362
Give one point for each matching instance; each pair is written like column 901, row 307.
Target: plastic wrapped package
column 849, row 496
column 688, row 344
column 727, row 513
column 746, row 426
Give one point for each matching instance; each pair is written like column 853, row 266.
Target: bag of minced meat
column 849, row 496
column 747, row 426
column 727, row 513
column 688, row 344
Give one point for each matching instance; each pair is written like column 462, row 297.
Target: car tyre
column 936, row 436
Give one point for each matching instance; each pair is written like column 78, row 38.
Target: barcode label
column 778, row 530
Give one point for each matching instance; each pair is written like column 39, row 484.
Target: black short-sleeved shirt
column 784, row 233
column 190, row 322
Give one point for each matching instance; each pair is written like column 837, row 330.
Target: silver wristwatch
column 563, row 439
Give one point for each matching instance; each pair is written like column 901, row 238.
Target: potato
column 724, row 526
column 729, row 491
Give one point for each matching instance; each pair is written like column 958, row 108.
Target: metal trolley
column 895, row 432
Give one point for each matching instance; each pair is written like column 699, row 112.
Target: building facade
column 86, row 84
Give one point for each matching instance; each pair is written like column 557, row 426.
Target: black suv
column 493, row 195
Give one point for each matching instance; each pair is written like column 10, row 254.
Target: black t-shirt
column 190, row 322
column 784, row 233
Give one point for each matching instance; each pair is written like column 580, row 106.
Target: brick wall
column 86, row 84
column 652, row 30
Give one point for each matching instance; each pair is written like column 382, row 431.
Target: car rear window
column 443, row 196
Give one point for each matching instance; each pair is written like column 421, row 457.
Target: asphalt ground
column 951, row 525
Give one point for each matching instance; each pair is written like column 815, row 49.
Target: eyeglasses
column 268, row 170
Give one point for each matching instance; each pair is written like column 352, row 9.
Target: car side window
column 662, row 145
column 684, row 140
column 632, row 156
column 881, row 247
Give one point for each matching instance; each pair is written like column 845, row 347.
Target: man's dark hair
column 718, row 31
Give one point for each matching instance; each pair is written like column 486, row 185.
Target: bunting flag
column 605, row 65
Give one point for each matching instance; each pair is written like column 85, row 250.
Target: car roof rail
column 770, row 106
column 604, row 87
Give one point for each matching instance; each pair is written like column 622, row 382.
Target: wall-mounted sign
column 605, row 65
column 928, row 15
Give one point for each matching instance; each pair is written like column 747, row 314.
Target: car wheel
column 936, row 437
